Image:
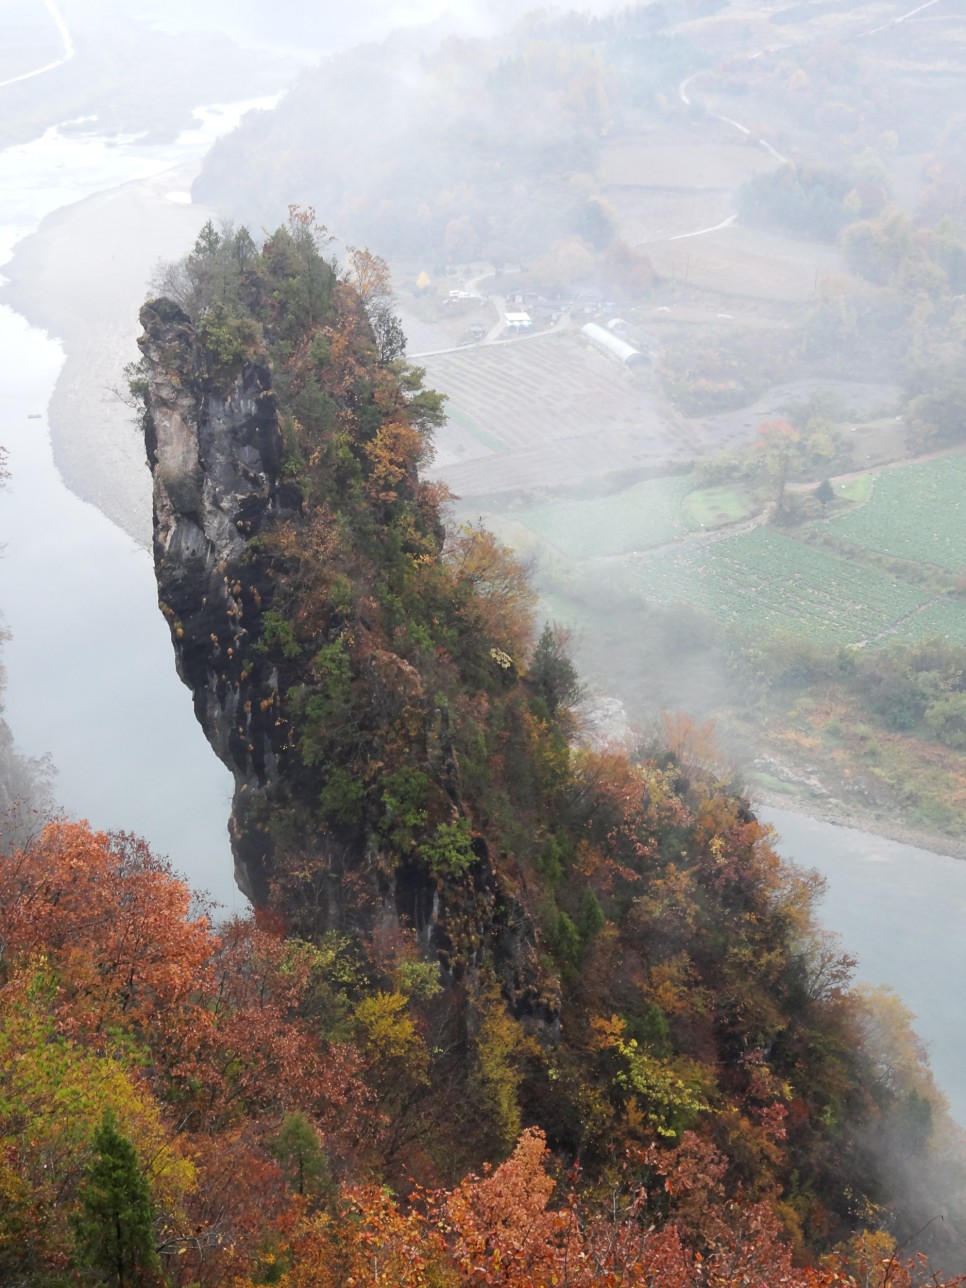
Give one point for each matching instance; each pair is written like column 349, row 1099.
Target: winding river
column 89, row 667
column 901, row 911
column 91, row 677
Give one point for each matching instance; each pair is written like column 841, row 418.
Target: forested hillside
column 509, row 1011
column 472, row 149
column 767, row 203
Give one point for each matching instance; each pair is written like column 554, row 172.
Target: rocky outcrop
column 215, row 454
column 215, row 451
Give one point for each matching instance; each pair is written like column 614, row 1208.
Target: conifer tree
column 114, row 1229
column 551, row 672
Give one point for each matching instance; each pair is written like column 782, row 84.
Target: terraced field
column 547, row 413
column 915, row 512
column 764, row 582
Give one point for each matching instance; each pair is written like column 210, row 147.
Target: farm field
column 547, row 412
column 766, row 583
column 640, row 517
column 916, row 512
column 747, row 262
column 680, row 159
column 711, row 507
column 857, row 488
column 647, row 215
column 516, row 425
column 942, row 619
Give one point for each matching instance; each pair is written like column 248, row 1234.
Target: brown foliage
column 117, row 924
column 499, row 599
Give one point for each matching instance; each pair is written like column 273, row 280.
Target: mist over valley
column 690, row 278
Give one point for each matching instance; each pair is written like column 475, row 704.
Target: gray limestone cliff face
column 215, row 451
column 215, row 455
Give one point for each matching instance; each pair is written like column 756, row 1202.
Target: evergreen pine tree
column 114, row 1229
column 825, row 494
column 298, row 1150
column 551, row 672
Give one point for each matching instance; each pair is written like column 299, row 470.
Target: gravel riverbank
column 859, row 818
column 82, row 278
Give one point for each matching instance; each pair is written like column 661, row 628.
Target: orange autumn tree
column 114, row 995
column 115, row 923
column 520, row 1226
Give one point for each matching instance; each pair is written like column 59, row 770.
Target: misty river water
column 91, row 675
column 901, row 911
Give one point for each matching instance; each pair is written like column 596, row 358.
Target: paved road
column 737, row 125
column 48, row 67
column 894, row 22
column 496, row 333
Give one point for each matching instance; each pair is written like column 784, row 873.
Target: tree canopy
column 510, row 1010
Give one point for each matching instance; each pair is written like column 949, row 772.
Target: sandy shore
column 82, row 278
column 862, row 820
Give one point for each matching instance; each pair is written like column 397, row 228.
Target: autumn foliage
column 510, row 1011
column 247, row 1171
column 259, row 1142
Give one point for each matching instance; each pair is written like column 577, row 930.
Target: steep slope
column 611, row 952
column 216, row 457
column 286, row 700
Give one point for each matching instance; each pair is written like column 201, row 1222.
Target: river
column 91, row 676
column 901, row 911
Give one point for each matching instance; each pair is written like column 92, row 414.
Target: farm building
column 613, row 345
column 519, row 322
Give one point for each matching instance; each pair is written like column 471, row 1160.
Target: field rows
column 917, row 512
column 945, row 619
column 766, row 583
column 546, row 412
column 747, row 262
column 538, row 391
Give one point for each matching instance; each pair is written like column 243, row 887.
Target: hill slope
column 553, row 937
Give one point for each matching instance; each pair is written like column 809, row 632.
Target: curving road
column 743, row 129
column 771, row 49
column 894, row 22
column 64, row 33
